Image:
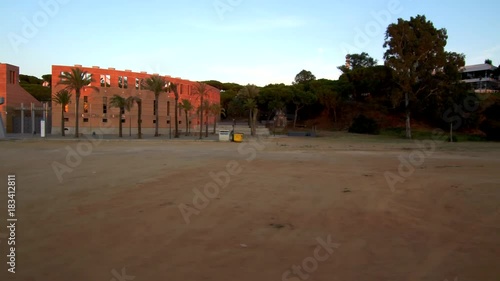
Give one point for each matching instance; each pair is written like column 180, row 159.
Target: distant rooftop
column 478, row 67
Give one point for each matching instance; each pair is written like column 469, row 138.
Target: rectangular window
column 122, row 82
column 123, row 120
column 154, row 121
column 104, row 120
column 66, row 119
column 105, row 80
column 105, row 105
column 88, row 76
column 85, row 120
column 85, row 104
column 12, row 78
column 168, row 108
column 137, row 83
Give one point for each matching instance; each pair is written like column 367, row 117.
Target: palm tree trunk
column 156, row 115
column 77, row 102
column 201, row 117
column 296, row 114
column 139, row 121
column 408, row 125
column 187, row 121
column 62, row 120
column 120, row 126
column 206, row 124
column 176, row 134
column 215, row 123
column 254, row 121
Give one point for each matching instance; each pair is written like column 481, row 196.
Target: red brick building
column 96, row 114
column 14, row 95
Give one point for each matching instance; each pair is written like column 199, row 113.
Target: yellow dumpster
column 238, row 137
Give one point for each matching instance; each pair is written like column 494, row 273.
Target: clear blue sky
column 242, row 41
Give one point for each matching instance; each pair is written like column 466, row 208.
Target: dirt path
column 118, row 212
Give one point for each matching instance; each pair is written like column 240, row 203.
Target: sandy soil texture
column 330, row 208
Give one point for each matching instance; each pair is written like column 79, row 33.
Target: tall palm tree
column 63, row 97
column 250, row 94
column 121, row 103
column 201, row 90
column 187, row 107
column 157, row 85
column 216, row 110
column 173, row 88
column 130, row 104
column 76, row 80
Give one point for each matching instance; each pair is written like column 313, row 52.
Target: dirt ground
column 263, row 210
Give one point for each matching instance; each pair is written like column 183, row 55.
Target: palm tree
column 201, row 90
column 157, row 85
column 76, row 80
column 121, row 103
column 216, row 110
column 250, row 93
column 130, row 104
column 187, row 107
column 173, row 88
column 63, row 97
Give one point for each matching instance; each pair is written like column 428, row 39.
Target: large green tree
column 157, row 85
column 63, row 97
column 355, row 61
column 77, row 80
column 415, row 51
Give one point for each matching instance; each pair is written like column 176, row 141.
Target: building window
column 137, row 83
column 180, row 122
column 85, row 120
column 85, row 104
column 123, row 82
column 105, row 105
column 105, row 80
column 66, row 119
column 123, row 120
column 89, row 77
column 168, row 108
column 104, row 120
column 154, row 121
column 168, row 121
column 12, row 78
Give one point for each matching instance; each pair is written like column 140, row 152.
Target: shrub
column 364, row 125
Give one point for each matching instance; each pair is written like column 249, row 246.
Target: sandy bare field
column 331, row 208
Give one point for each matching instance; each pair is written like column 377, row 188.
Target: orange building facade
column 14, row 96
column 96, row 114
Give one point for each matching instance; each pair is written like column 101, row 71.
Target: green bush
column 364, row 125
